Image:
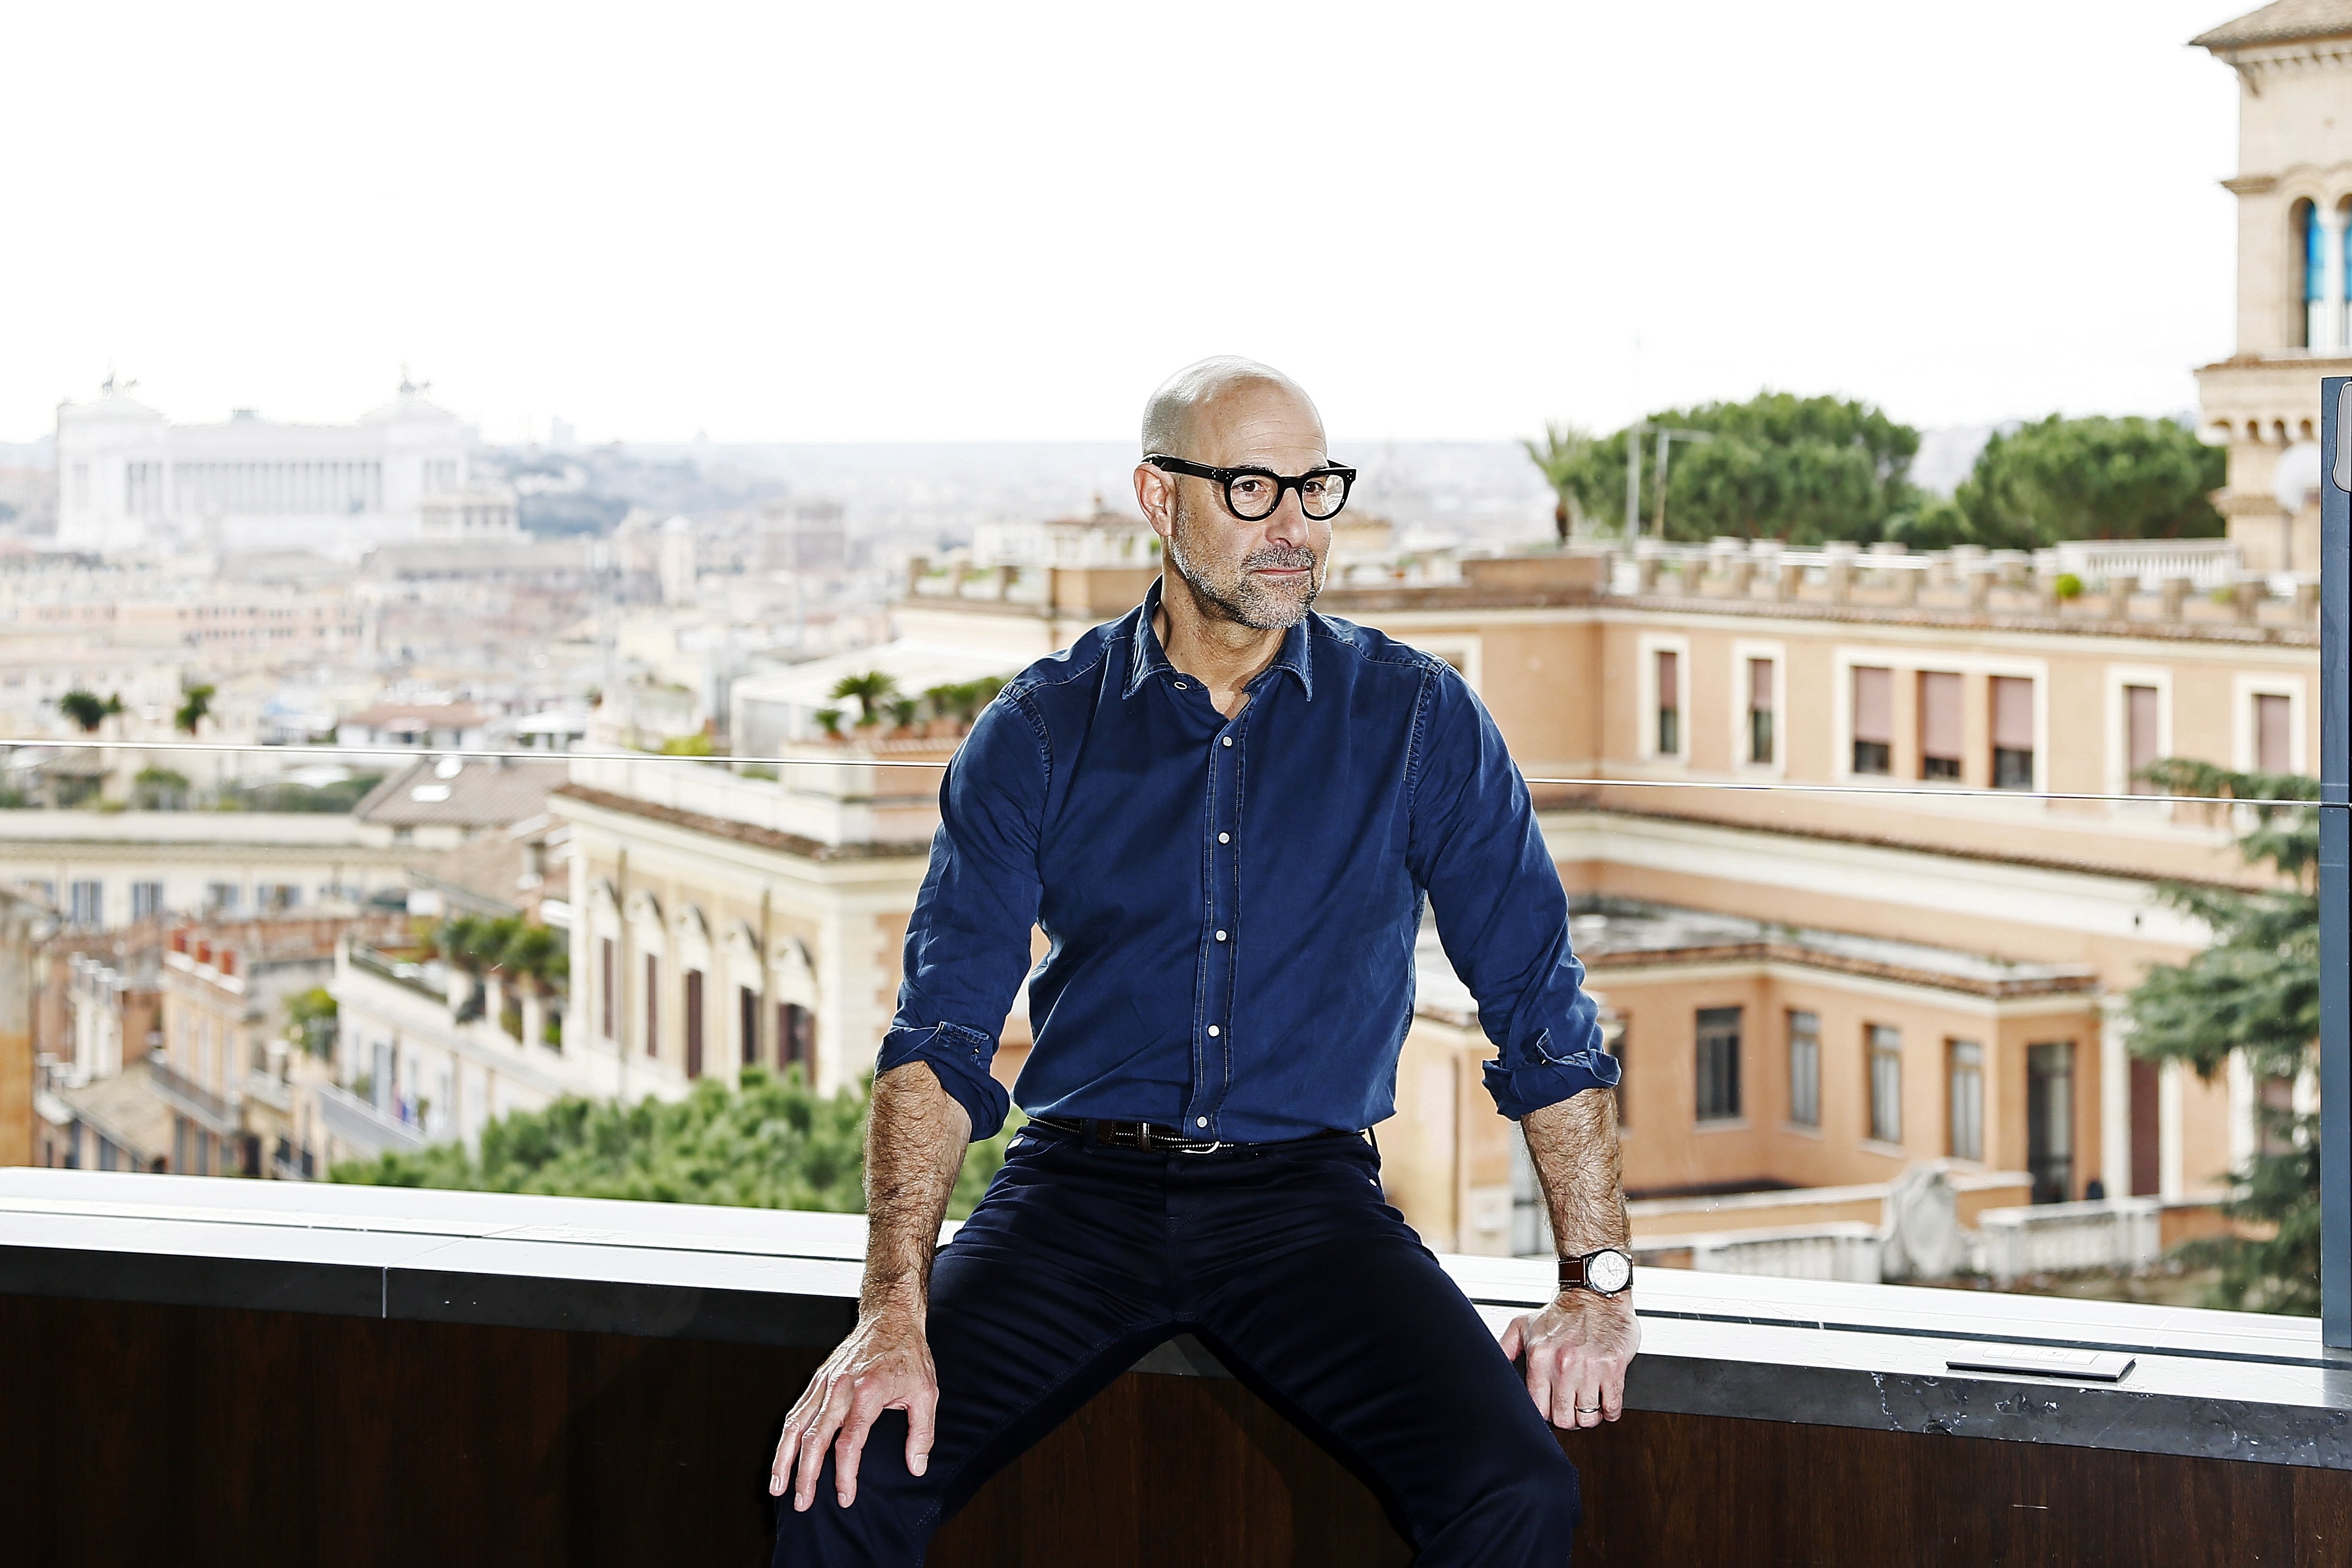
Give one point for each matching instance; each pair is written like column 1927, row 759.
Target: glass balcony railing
column 1892, row 1022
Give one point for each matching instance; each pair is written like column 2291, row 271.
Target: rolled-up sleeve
column 1501, row 911
column 968, row 939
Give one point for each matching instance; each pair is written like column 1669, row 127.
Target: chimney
column 204, row 951
column 227, row 961
column 180, row 940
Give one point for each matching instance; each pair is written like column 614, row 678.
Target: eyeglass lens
column 1255, row 496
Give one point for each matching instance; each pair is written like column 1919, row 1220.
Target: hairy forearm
column 1574, row 1145
column 915, row 1142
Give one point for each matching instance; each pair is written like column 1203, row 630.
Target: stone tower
column 2294, row 185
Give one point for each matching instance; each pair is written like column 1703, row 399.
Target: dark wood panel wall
column 188, row 1435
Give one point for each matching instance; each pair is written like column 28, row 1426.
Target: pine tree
column 2254, row 990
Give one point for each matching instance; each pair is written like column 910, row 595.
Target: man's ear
column 1155, row 492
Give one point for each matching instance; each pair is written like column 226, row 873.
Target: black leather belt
column 1151, row 1138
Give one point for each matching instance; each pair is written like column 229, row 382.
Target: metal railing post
column 2336, row 862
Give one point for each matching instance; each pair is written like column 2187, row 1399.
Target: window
column 1805, row 1069
column 747, row 1022
column 1718, row 1064
column 146, row 900
column 1873, row 720
column 796, row 1039
column 1966, row 1093
column 694, row 1023
column 1670, row 708
column 2273, row 737
column 1941, row 739
column 2012, row 733
column 608, row 977
column 87, row 902
column 2311, row 239
column 222, row 896
column 653, row 1005
column 2050, row 1120
column 2140, row 732
column 1885, row 1082
column 279, row 896
column 1761, row 740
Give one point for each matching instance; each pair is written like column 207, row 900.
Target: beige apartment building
column 1807, row 989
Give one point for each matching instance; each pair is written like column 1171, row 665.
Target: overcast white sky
column 915, row 222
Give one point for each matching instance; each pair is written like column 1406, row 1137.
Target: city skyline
column 798, row 228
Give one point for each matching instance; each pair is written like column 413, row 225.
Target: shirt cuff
column 1549, row 1080
column 959, row 1058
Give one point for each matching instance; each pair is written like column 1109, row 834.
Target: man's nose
column 1289, row 525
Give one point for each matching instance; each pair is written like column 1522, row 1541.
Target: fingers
column 848, row 1448
column 922, row 1409
column 816, row 1437
column 1567, row 1390
column 1612, row 1393
column 1587, row 1407
column 1539, row 1375
column 788, row 1446
column 1514, row 1338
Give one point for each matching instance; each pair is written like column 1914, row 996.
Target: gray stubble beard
column 1244, row 602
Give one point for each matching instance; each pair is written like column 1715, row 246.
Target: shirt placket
column 1220, row 929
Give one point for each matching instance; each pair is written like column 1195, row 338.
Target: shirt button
column 1214, row 1032
column 1180, row 686
column 1220, row 935
column 1224, row 740
column 1200, row 1120
column 1225, row 837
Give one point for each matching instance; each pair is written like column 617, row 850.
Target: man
column 1224, row 812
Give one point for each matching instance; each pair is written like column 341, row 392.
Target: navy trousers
column 1290, row 1266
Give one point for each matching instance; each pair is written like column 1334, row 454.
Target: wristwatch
column 1604, row 1272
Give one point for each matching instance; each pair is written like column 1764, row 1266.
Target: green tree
column 1560, row 455
column 962, row 700
column 2256, row 990
column 311, row 1018
column 1800, row 469
column 770, row 1143
column 87, row 710
column 195, row 706
column 2092, row 479
column 868, row 690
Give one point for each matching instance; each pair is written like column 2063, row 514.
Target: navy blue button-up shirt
column 1231, row 904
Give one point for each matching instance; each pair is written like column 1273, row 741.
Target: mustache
column 1281, row 558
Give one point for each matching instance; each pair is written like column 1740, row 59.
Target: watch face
column 1610, row 1272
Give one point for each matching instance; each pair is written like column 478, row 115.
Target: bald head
column 1195, row 396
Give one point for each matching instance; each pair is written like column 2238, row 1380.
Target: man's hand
column 884, row 1365
column 1578, row 1349
column 914, row 1138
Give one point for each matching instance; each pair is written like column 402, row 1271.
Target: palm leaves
column 1563, row 451
column 868, row 690
column 87, row 710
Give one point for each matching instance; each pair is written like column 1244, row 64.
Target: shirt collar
column 1146, row 657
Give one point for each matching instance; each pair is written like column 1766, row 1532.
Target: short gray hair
column 1167, row 418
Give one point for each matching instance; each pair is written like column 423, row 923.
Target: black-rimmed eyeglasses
column 1253, row 494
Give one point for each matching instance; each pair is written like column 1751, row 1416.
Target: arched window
column 2344, row 272
column 2312, row 255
